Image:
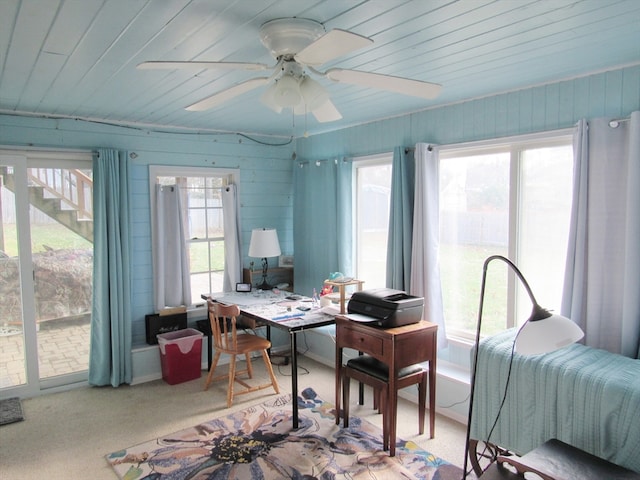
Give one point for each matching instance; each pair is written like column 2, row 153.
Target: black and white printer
column 385, row 307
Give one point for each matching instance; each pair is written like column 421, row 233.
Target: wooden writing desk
column 397, row 347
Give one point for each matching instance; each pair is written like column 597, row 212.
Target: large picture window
column 372, row 200
column 507, row 198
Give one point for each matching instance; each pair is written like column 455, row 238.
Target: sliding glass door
column 15, row 333
column 46, row 252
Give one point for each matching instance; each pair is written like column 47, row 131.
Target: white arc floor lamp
column 543, row 332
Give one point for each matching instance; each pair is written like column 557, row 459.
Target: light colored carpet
column 67, row 435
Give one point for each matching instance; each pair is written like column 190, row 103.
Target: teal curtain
column 110, row 353
column 399, row 240
column 322, row 227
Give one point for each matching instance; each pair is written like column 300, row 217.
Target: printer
column 385, row 307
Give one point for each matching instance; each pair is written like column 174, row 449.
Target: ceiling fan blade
column 228, row 94
column 332, row 44
column 406, row 86
column 158, row 65
column 327, row 112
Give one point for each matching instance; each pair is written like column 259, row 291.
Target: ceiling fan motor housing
column 288, row 36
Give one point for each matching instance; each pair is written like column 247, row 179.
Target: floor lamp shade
column 543, row 332
column 546, row 335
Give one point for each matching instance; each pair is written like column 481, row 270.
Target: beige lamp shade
column 264, row 243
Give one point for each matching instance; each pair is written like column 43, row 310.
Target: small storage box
column 156, row 324
column 180, row 355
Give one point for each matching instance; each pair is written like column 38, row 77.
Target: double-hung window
column 511, row 198
column 201, row 190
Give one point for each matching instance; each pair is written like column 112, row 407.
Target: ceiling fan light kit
column 297, row 43
column 287, row 92
column 313, row 94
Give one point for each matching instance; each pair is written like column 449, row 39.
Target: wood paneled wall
column 266, row 194
column 541, row 108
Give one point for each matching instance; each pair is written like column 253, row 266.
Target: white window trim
column 553, row 137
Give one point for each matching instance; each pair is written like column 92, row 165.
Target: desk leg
column 391, row 407
column 269, row 338
column 338, row 382
column 294, row 378
column 432, row 389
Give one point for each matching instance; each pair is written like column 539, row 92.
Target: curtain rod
column 613, row 123
column 319, row 162
column 132, row 155
column 411, row 149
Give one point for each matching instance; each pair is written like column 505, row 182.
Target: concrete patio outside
column 63, row 348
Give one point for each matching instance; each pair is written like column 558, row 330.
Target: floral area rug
column 260, row 443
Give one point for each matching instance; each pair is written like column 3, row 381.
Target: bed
column 586, row 397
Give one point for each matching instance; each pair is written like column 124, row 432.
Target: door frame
column 21, row 161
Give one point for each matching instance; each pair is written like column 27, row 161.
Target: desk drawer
column 360, row 341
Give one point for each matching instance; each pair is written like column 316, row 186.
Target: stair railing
column 72, row 186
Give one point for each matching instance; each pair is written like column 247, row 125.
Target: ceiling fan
column 299, row 45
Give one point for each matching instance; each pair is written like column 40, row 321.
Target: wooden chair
column 226, row 340
column 370, row 371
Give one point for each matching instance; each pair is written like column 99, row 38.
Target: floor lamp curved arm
column 542, row 332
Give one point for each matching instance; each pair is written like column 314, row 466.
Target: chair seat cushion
column 248, row 342
column 375, row 368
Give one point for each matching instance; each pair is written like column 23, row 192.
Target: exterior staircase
column 65, row 195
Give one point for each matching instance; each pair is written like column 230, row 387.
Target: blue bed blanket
column 586, row 397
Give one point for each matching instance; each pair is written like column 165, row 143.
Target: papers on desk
column 330, row 310
column 287, row 315
column 247, row 299
column 276, row 307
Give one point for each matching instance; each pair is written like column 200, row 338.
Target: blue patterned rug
column 259, row 443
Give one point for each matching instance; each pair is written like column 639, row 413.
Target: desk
column 397, row 347
column 271, row 309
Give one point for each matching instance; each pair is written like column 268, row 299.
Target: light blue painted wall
column 266, row 171
column 266, row 195
column 548, row 107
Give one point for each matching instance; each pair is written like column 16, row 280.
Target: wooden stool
column 374, row 373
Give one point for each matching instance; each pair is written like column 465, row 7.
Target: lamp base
column 264, row 286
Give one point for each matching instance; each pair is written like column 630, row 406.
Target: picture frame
column 285, row 261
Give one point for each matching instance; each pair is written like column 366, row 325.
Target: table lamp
column 543, row 332
column 264, row 244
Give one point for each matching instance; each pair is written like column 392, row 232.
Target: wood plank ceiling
column 77, row 58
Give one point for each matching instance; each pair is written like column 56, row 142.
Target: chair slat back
column 223, row 325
